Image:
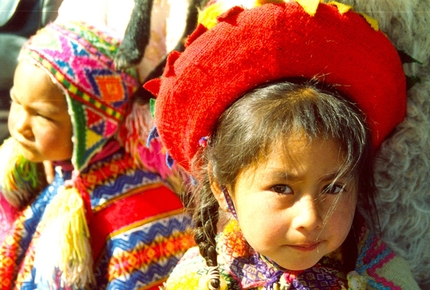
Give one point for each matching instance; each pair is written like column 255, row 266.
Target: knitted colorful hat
column 80, row 58
column 247, row 47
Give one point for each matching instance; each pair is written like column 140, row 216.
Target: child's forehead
column 295, row 149
column 33, row 82
column 294, row 138
column 299, row 143
column 299, row 158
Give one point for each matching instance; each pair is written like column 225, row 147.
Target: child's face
column 281, row 207
column 38, row 117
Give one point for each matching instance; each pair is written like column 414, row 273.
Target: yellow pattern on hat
column 343, row 8
column 310, row 6
column 372, row 21
column 208, row 17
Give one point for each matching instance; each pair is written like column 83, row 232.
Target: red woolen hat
column 249, row 47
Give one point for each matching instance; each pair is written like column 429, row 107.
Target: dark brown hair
column 247, row 130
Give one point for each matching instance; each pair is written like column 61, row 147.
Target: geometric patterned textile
column 156, row 246
column 79, row 58
column 107, row 221
column 138, row 228
column 381, row 268
column 242, row 268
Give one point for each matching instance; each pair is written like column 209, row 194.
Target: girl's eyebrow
column 283, row 175
column 280, row 174
column 47, row 107
column 334, row 176
column 330, row 176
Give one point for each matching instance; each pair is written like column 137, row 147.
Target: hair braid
column 206, row 219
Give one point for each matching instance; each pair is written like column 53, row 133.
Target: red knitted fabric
column 268, row 43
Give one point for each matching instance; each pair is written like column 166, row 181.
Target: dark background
column 19, row 19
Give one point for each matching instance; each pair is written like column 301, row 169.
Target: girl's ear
column 217, row 189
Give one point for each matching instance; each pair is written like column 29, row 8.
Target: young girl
column 107, row 220
column 276, row 110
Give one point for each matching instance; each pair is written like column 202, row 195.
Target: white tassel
column 63, row 248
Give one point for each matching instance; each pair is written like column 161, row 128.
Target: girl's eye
column 282, row 189
column 43, row 117
column 334, row 189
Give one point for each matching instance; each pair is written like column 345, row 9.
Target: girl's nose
column 307, row 214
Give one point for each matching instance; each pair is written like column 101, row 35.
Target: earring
column 230, row 204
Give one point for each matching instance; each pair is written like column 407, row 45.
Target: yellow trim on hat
column 372, row 21
column 343, row 8
column 310, row 6
column 208, row 16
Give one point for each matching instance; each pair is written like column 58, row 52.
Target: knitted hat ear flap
column 79, row 57
column 20, row 179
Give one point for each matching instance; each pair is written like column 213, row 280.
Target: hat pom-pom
column 20, row 179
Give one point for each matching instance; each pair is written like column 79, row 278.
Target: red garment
column 8, row 214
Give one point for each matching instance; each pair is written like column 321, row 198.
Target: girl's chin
column 299, row 266
column 30, row 156
column 299, row 263
column 24, row 150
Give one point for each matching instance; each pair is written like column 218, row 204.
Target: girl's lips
column 305, row 247
column 23, row 144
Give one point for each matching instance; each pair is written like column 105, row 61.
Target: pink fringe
column 134, row 135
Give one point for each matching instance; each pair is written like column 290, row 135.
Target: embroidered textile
column 140, row 248
column 242, row 268
column 106, row 221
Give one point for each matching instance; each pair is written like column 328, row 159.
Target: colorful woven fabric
column 139, row 229
column 79, row 57
column 7, row 216
column 106, row 221
column 242, row 268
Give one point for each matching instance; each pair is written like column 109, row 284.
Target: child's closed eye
column 44, row 116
